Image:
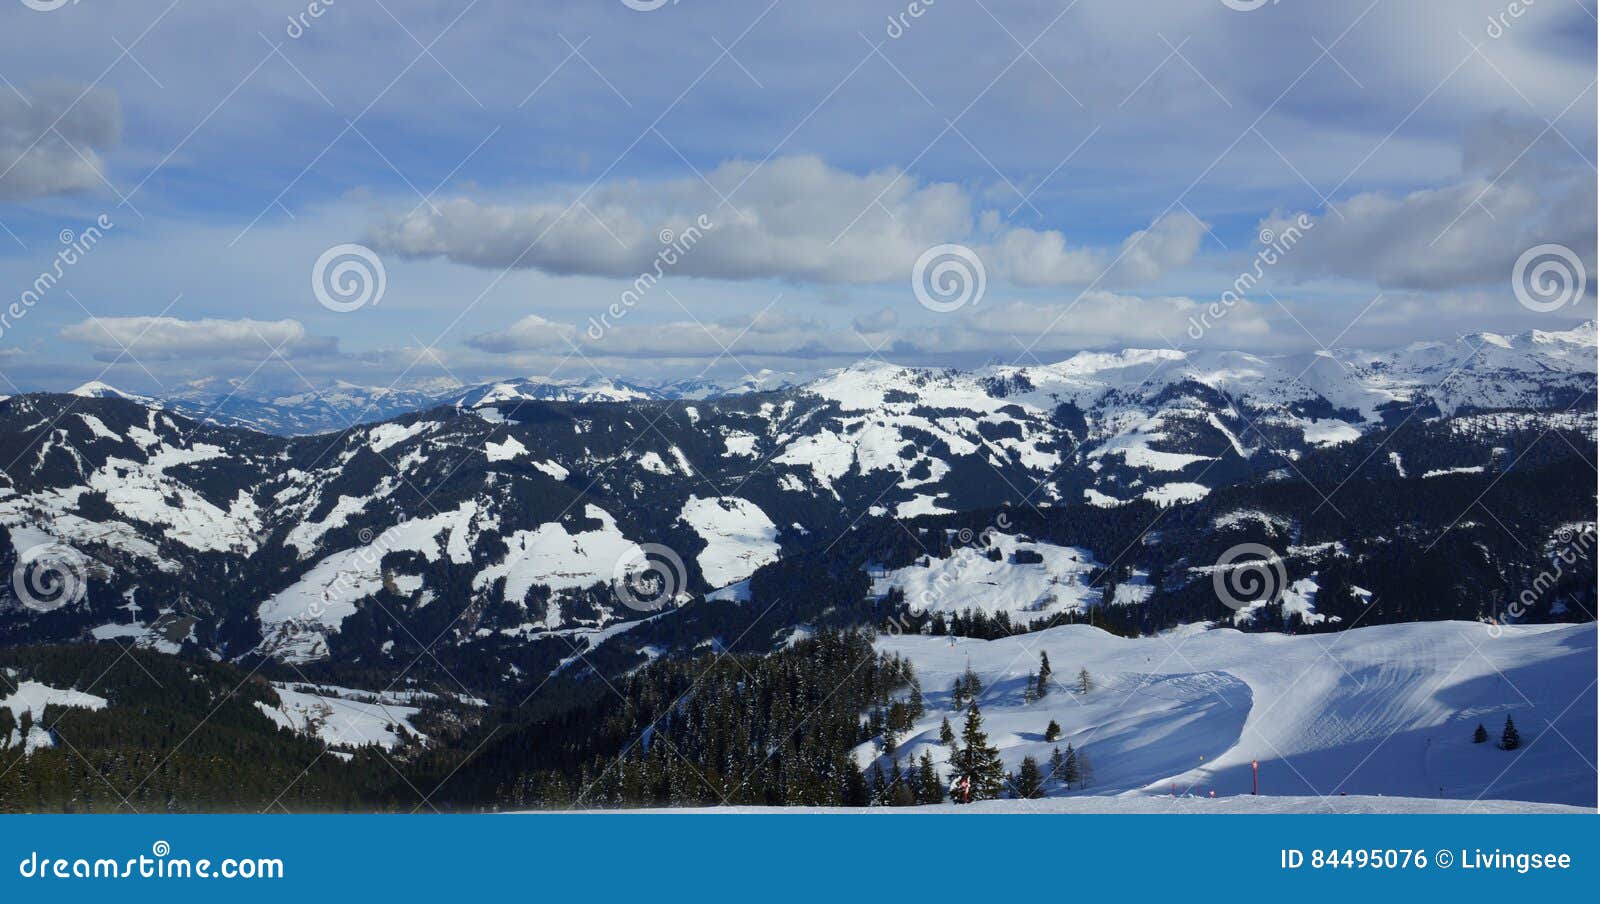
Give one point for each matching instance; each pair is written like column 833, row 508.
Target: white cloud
column 168, row 338
column 1520, row 185
column 50, row 138
column 794, row 218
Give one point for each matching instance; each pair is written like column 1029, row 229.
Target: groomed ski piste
column 1371, row 720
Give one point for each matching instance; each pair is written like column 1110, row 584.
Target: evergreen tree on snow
column 1042, row 682
column 947, row 735
column 1509, row 739
column 1052, row 731
column 1070, row 773
column 931, row 785
column 1480, row 734
column 1058, row 763
column 966, row 689
column 1085, row 684
column 914, row 706
column 976, row 761
column 1029, row 781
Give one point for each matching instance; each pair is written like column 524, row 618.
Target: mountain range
column 505, row 514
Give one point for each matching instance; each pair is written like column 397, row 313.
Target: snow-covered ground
column 1158, row 804
column 31, row 698
column 1386, row 710
column 739, row 537
column 342, row 717
column 1059, row 581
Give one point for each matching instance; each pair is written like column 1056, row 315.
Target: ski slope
column 1386, row 710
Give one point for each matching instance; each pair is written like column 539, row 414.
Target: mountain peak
column 94, row 389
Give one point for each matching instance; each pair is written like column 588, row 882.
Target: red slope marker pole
column 1254, row 767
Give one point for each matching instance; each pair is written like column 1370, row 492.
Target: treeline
column 773, row 730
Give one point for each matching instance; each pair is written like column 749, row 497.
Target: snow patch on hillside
column 739, row 537
column 969, row 579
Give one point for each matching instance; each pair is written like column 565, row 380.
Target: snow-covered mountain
column 603, row 389
column 506, row 517
column 328, row 408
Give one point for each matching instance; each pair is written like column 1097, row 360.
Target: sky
column 279, row 196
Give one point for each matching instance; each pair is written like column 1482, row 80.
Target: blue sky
column 1112, row 167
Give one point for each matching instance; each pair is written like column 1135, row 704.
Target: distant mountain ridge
column 501, row 517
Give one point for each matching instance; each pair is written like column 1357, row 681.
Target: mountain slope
column 499, row 523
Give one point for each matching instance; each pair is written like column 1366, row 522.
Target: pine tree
column 1509, row 739
column 1052, row 731
column 966, row 689
column 931, row 785
column 947, row 736
column 915, row 705
column 1085, row 685
column 1480, row 734
column 1029, row 782
column 1058, row 763
column 1070, row 773
column 900, row 788
column 977, row 762
column 1042, row 683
